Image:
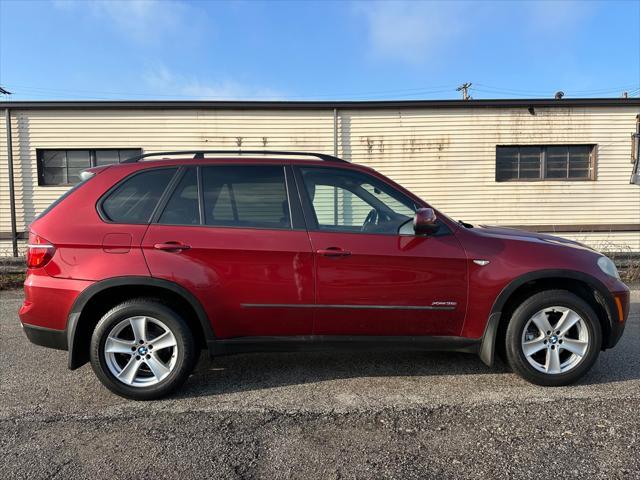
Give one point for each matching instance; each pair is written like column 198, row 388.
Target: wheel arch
column 99, row 297
column 585, row 286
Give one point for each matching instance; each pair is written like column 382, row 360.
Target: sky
column 306, row 50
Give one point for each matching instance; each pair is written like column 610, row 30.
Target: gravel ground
column 347, row 415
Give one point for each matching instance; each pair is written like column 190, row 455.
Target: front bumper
column 618, row 306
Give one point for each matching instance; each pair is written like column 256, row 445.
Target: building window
column 63, row 167
column 545, row 162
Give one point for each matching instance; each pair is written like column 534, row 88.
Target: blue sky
column 157, row 49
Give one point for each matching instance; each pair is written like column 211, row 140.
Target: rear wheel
column 142, row 349
column 553, row 338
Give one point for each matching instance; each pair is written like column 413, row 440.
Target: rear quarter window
column 134, row 200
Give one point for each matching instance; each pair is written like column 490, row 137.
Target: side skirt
column 320, row 343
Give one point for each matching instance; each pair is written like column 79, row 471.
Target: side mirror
column 425, row 221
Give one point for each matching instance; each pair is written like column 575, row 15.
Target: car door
column 370, row 279
column 231, row 236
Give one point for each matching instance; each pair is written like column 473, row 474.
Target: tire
column 546, row 357
column 128, row 365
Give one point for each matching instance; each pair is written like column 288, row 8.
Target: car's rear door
column 370, row 279
column 233, row 236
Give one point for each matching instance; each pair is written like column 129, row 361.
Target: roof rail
column 199, row 154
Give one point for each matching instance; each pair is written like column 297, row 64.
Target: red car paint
column 312, row 281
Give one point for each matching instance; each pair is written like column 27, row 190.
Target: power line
column 404, row 92
column 505, row 90
column 48, row 92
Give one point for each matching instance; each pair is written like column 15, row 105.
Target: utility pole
column 12, row 192
column 464, row 88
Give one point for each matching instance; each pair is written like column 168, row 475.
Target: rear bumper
column 45, row 310
column 48, row 300
column 46, row 337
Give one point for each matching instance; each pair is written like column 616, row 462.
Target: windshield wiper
column 465, row 224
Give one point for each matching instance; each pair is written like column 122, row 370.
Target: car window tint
column 245, row 196
column 336, row 206
column 182, row 208
column 134, row 200
column 349, row 201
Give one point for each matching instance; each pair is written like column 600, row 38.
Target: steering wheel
column 371, row 220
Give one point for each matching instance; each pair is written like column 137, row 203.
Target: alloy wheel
column 140, row 351
column 555, row 340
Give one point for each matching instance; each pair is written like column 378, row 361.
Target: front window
column 349, row 201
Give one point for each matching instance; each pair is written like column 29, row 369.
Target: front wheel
column 553, row 338
column 142, row 349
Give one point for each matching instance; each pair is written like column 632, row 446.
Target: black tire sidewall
column 516, row 357
column 151, row 308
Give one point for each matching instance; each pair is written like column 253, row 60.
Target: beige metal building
column 560, row 166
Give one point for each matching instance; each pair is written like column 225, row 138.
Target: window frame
column 296, row 216
column 593, row 149
column 92, row 161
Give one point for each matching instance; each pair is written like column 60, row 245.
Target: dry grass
column 627, row 261
column 11, row 280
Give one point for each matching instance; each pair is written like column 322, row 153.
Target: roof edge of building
column 319, row 105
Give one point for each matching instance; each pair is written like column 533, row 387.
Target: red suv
column 143, row 264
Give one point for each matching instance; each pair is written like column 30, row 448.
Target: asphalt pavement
column 319, row 415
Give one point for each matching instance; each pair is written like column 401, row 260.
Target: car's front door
column 228, row 233
column 370, row 279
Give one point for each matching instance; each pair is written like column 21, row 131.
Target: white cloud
column 164, row 82
column 411, row 32
column 558, row 17
column 145, row 21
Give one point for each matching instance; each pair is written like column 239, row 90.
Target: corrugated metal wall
column 445, row 155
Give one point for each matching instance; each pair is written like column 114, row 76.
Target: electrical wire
column 47, row 92
column 402, row 92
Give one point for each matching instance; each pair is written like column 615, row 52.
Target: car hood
column 507, row 233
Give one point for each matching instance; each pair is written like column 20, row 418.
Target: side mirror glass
column 425, row 221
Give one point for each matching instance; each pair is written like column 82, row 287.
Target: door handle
column 333, row 252
column 171, row 246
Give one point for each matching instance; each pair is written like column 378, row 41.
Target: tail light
column 39, row 251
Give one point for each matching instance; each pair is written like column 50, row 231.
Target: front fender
column 614, row 329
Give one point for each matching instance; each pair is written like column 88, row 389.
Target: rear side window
column 183, row 206
column 246, row 196
column 134, row 200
